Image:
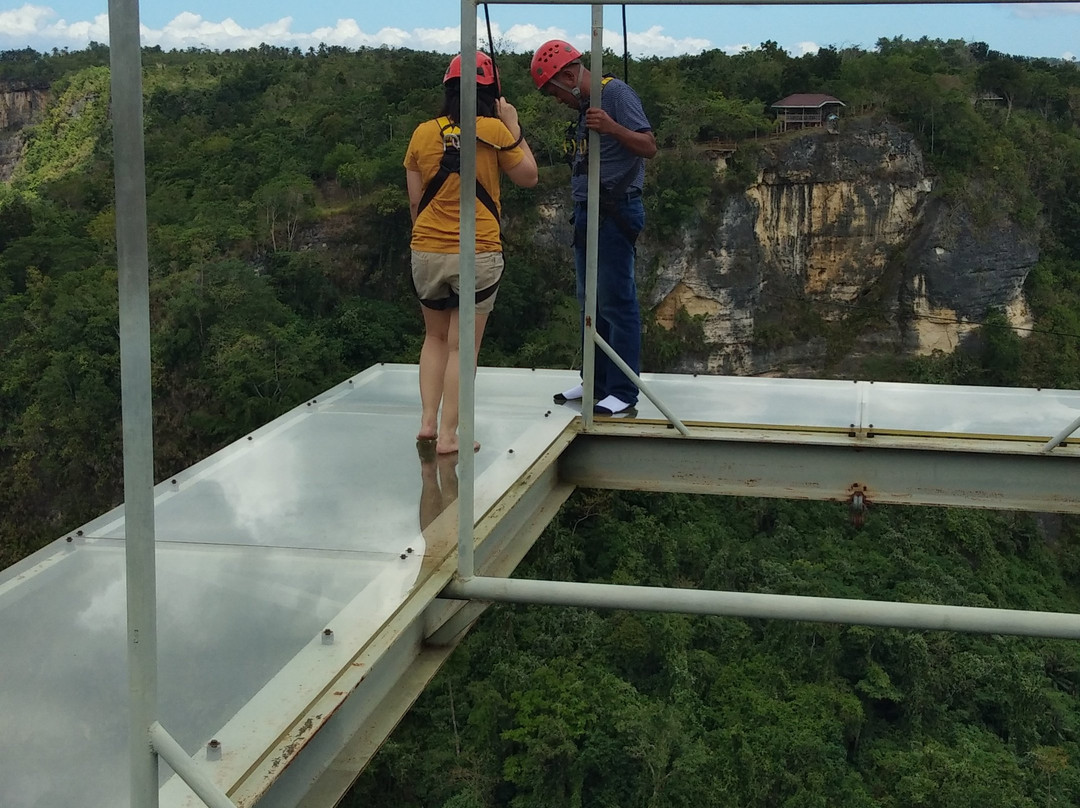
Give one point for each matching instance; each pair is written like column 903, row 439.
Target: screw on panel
column 408, row 549
column 78, row 532
column 328, row 636
column 213, row 750
column 403, row 556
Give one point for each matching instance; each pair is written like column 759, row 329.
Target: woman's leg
column 448, row 437
column 433, row 364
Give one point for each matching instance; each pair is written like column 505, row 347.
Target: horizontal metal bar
column 921, row 616
column 997, row 475
column 755, row 2
column 181, row 763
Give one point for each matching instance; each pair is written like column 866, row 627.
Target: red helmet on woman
column 549, row 59
column 485, row 69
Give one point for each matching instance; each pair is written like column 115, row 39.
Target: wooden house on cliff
column 802, row 110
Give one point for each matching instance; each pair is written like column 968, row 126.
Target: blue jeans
column 618, row 319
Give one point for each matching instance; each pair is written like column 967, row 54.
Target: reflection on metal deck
column 300, row 568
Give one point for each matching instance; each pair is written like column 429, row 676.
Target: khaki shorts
column 435, row 278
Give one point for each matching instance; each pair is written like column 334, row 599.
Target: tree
column 284, row 204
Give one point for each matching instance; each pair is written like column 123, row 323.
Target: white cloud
column 25, row 21
column 1041, row 10
column 527, row 37
column 29, row 23
column 803, row 48
column 35, row 25
column 1069, row 56
column 188, row 30
column 656, row 43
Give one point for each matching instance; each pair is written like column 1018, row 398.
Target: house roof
column 805, row 100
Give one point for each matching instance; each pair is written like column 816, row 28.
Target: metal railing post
column 592, row 237
column 467, row 307
column 125, row 59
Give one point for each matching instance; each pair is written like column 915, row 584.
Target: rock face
column 957, row 271
column 832, row 222
column 21, row 105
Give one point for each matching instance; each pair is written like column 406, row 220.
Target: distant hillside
column 278, row 234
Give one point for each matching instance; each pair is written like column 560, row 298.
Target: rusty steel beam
column 860, row 470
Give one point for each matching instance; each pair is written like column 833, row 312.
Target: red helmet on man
column 549, row 59
column 485, row 69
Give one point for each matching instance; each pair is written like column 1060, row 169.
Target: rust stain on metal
column 289, row 750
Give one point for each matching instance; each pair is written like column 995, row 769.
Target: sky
column 1024, row 29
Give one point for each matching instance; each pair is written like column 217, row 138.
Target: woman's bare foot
column 427, row 433
column 451, row 446
column 426, row 450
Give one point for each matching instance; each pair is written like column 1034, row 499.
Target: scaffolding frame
column 149, row 741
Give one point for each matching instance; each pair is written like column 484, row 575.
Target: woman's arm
column 415, row 184
column 525, row 172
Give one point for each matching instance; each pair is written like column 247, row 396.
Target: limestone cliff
column 21, row 105
column 832, row 223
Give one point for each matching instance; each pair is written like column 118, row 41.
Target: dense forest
column 278, row 233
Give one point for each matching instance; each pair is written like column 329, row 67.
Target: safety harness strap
column 451, row 164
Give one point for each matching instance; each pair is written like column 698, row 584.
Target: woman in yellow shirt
column 434, row 201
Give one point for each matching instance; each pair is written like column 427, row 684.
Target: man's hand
column 600, row 121
column 643, row 144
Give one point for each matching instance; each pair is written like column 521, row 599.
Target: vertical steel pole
column 133, row 286
column 467, row 306
column 592, row 238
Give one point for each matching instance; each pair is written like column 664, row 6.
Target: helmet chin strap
column 575, row 90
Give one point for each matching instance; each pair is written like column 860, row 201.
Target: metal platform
column 300, row 568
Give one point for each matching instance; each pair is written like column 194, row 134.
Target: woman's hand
column 508, row 114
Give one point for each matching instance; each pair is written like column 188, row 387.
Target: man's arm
column 642, row 144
